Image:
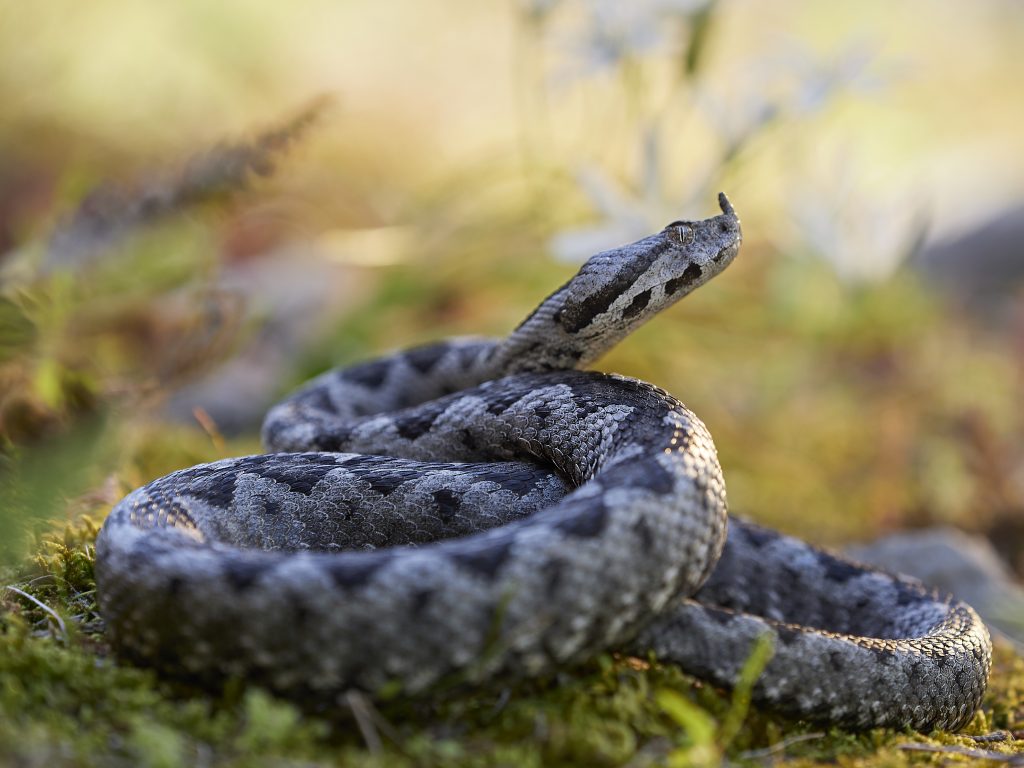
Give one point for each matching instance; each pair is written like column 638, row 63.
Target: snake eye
column 680, row 233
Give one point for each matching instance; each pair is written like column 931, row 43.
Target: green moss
column 66, row 700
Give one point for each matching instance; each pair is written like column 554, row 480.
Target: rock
column 290, row 297
column 953, row 561
column 983, row 266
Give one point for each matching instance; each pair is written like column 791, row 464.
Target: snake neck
column 616, row 291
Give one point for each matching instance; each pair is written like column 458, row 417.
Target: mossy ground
column 65, row 699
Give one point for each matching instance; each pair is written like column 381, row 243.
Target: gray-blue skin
column 476, row 509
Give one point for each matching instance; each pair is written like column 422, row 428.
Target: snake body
column 473, row 509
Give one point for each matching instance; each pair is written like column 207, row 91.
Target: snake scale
column 476, row 509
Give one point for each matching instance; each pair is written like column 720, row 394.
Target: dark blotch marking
column 720, row 617
column 787, row 634
column 371, row 374
column 721, row 254
column 382, row 475
column 297, row 475
column 584, row 524
column 382, row 479
column 576, row 315
column 387, row 482
column 553, row 572
column 542, row 411
column 420, row 601
column 423, row 359
column 759, row 537
column 645, row 534
column 686, row 280
column 316, row 398
column 448, row 504
column 216, row 488
column 332, row 440
column 647, row 474
column 567, row 354
column 638, row 304
column 520, row 482
column 414, row 426
column 585, row 403
column 885, row 654
column 485, row 560
column 532, row 347
column 468, row 354
column 499, row 402
column 348, row 574
column 907, row 596
column 242, row 574
column 839, row 570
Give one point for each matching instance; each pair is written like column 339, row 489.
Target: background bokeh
column 203, row 204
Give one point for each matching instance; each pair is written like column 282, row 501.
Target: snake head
column 621, row 288
column 707, row 246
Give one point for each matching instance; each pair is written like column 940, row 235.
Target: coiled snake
column 477, row 508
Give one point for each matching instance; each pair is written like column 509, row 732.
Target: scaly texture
column 479, row 508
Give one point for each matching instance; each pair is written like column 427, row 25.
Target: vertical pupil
column 679, row 233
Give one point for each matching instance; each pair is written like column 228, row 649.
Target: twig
column 779, row 746
column 209, row 427
column 38, row 579
column 43, row 606
column 499, row 706
column 953, row 749
column 990, row 738
column 361, row 710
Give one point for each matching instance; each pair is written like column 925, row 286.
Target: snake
column 477, row 510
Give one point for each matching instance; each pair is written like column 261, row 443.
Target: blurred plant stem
column 110, row 213
column 37, row 482
column 116, row 257
column 531, row 96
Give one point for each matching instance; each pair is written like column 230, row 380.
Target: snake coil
column 476, row 508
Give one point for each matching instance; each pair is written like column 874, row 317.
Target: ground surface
column 65, row 700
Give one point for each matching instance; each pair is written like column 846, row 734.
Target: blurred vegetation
column 847, row 397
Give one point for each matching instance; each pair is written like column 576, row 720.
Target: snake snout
column 726, row 206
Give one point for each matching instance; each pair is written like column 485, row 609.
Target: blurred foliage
column 847, row 398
